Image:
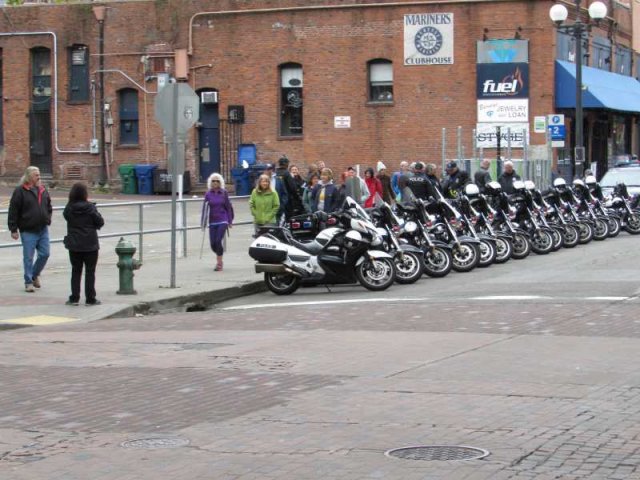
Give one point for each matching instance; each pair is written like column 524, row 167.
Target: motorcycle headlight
column 410, row 227
column 376, row 240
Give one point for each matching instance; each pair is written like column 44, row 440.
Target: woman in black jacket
column 83, row 223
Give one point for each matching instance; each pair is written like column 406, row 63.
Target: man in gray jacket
column 482, row 175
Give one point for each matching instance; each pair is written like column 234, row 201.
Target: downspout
column 99, row 12
column 325, row 7
column 55, row 86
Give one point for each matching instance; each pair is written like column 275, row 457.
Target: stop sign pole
column 177, row 110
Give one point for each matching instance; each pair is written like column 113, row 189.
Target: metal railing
column 141, row 232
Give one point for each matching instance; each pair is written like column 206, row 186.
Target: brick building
column 343, row 82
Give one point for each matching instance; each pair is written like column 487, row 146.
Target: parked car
column 626, row 160
column 630, row 176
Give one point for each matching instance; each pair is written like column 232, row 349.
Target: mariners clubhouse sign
column 428, row 39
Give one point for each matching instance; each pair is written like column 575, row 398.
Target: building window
column 601, row 53
column 41, row 79
column 291, row 85
column 623, row 60
column 380, row 81
column 128, row 100
column 78, row 73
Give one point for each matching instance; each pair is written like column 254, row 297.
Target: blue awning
column 602, row 89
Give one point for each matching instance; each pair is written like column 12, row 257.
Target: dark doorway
column 599, row 148
column 208, row 136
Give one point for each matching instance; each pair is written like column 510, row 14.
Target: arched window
column 128, row 101
column 291, row 84
column 78, row 73
column 380, row 80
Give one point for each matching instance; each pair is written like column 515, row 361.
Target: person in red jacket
column 374, row 185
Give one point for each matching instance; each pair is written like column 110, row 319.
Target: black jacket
column 29, row 209
column 83, row 223
column 481, row 178
column 506, row 181
column 453, row 184
column 293, row 204
column 421, row 186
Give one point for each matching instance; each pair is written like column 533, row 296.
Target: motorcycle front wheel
column 586, row 233
column 633, row 224
column 571, row 236
column 465, row 257
column 281, row 283
column 409, row 267
column 437, row 262
column 541, row 242
column 614, row 226
column 521, row 246
column 376, row 274
column 504, row 249
column 601, row 229
column 558, row 238
column 487, row 253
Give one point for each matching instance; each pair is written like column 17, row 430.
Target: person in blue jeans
column 29, row 219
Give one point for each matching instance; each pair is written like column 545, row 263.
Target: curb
column 194, row 302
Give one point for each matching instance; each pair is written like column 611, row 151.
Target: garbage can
column 246, row 153
column 128, row 177
column 163, row 181
column 254, row 172
column 144, row 174
column 241, row 180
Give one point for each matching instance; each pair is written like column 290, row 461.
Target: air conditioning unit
column 209, row 97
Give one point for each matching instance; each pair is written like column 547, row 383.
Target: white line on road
column 613, row 299
column 324, row 302
column 511, row 297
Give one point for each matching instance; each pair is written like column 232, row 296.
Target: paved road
column 534, row 361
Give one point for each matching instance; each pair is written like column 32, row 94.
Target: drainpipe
column 100, row 11
column 55, row 86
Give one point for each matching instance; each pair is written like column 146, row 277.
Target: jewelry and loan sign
column 428, row 39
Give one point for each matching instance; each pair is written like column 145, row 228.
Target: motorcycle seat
column 311, row 247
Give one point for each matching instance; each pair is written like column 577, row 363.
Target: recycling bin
column 128, row 178
column 241, row 181
column 144, row 174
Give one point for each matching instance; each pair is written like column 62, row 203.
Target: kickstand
column 327, row 287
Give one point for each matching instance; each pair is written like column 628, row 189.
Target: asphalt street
column 533, row 361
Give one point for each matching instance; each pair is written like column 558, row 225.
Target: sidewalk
column 196, row 282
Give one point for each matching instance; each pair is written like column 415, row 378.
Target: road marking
column 38, row 320
column 324, row 302
column 511, row 297
column 613, row 299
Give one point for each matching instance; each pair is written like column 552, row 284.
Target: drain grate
column 432, row 453
column 156, row 442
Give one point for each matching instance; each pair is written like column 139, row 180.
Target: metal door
column 208, row 140
column 40, row 141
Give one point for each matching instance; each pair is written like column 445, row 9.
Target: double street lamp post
column 559, row 14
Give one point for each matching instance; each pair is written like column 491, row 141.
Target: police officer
column 419, row 183
column 455, row 181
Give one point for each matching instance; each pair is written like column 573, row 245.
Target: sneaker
column 36, row 282
column 72, row 302
column 94, row 302
column 29, row 288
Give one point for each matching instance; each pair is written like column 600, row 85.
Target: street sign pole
column 174, row 183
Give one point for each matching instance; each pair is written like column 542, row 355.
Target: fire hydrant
column 126, row 264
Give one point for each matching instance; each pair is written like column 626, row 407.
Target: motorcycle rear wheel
column 409, row 267
column 465, row 257
column 633, row 224
column 281, row 283
column 504, row 249
column 376, row 274
column 521, row 246
column 437, row 262
column 541, row 242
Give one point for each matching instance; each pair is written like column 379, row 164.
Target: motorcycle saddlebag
column 265, row 250
column 303, row 224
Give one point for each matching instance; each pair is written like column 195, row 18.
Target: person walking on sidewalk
column 264, row 203
column 83, row 223
column 30, row 215
column 217, row 213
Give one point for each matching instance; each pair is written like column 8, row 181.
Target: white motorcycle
column 337, row 255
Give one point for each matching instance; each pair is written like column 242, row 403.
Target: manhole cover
column 156, row 442
column 431, row 453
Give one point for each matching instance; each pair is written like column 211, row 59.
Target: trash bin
column 241, row 180
column 246, row 153
column 128, row 177
column 163, row 181
column 144, row 174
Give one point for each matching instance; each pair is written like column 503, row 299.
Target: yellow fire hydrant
column 126, row 265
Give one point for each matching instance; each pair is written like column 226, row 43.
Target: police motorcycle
column 407, row 259
column 525, row 217
column 563, row 199
column 557, row 232
column 437, row 254
column 482, row 215
column 338, row 255
column 584, row 208
column 593, row 195
column 465, row 250
column 569, row 230
column 620, row 203
column 503, row 220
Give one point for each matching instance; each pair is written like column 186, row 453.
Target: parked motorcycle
column 541, row 237
column 620, row 204
column 337, row 255
column 595, row 198
column 564, row 200
column 600, row 223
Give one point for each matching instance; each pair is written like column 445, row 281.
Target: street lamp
column 559, row 14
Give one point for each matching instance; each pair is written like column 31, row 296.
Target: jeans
column 78, row 261
column 32, row 242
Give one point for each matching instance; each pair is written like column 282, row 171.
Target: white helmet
column 559, row 182
column 471, row 189
column 590, row 180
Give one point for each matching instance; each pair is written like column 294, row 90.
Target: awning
column 601, row 89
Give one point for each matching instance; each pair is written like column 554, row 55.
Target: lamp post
column 99, row 12
column 559, row 14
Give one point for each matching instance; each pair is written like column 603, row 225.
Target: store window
column 78, row 73
column 128, row 113
column 291, row 100
column 380, row 74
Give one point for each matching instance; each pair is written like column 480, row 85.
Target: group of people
column 29, row 218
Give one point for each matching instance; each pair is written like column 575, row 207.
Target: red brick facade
column 332, row 42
